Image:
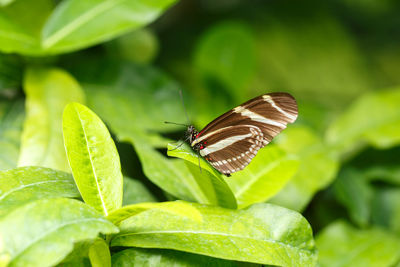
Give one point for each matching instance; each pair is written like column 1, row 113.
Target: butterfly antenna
column 178, row 146
column 184, row 107
column 170, row 122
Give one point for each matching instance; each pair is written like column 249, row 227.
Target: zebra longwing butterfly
column 233, row 139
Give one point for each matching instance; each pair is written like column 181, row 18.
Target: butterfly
column 232, row 140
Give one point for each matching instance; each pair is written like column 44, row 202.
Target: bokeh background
column 339, row 58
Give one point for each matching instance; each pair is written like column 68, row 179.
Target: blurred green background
column 340, row 59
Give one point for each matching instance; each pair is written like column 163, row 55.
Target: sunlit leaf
column 163, row 257
column 243, row 235
column 75, row 24
column 176, row 178
column 265, row 176
column 99, row 254
column 210, row 181
column 317, row 169
column 11, row 119
column 25, row 184
column 48, row 91
column 374, row 118
column 54, row 225
column 93, row 158
column 342, row 245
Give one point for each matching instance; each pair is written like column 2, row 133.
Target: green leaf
column 374, row 118
column 10, row 74
column 163, row 257
column 20, row 30
column 140, row 46
column 74, row 25
column 79, row 256
column 386, row 209
column 262, row 233
column 22, row 185
column 136, row 192
column 175, row 177
column 126, row 92
column 99, row 254
column 265, row 176
column 388, row 174
column 54, row 225
column 342, row 245
column 317, row 169
column 226, row 52
column 93, row 158
column 208, row 181
column 353, row 191
column 48, row 91
column 11, row 119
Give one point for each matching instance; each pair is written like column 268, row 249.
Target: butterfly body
column 232, row 140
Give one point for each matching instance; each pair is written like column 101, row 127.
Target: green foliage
column 242, row 235
column 373, row 119
column 11, row 118
column 111, row 184
column 343, row 245
column 54, row 225
column 318, row 167
column 25, row 184
column 162, row 257
column 93, row 158
column 71, row 25
column 47, row 92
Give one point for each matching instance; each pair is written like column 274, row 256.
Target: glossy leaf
column 99, row 254
column 226, row 52
column 373, row 118
column 342, row 245
column 163, row 257
column 136, row 192
column 48, row 91
column 93, row 158
column 11, row 119
column 265, row 176
column 353, row 191
column 317, row 169
column 174, row 177
column 54, row 225
column 74, row 25
column 25, row 184
column 209, row 181
column 243, row 235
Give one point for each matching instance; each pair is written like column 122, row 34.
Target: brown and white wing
column 234, row 151
column 233, row 139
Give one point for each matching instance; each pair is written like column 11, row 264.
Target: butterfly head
column 191, row 134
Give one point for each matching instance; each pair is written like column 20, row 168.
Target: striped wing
column 232, row 140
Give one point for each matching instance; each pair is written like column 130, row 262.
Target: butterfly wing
column 231, row 141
